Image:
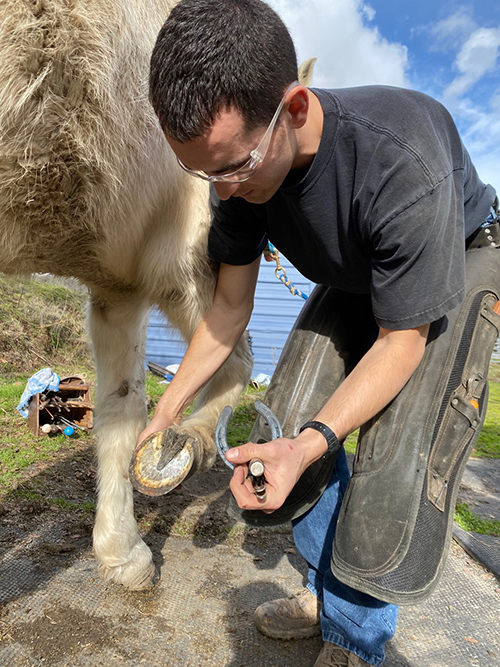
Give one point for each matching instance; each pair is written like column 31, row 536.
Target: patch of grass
column 11, row 390
column 241, row 528
column 488, row 443
column 494, row 371
column 40, row 322
column 184, row 529
column 350, row 442
column 471, row 522
column 154, row 390
column 236, row 529
column 16, row 458
column 87, row 506
column 243, row 417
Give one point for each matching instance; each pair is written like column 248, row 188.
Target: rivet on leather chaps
column 396, row 519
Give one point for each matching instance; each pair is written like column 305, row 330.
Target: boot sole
column 298, row 633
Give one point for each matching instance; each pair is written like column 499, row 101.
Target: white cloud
column 476, row 58
column 452, row 30
column 350, row 52
column 487, row 168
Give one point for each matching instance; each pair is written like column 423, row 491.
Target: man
column 368, row 192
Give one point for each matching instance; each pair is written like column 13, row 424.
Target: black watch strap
column 326, row 431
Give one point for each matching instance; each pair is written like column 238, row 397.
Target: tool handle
column 256, row 468
column 256, row 472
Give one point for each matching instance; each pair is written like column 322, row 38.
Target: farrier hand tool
column 256, row 469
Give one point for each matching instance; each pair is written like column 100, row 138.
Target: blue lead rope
column 280, row 272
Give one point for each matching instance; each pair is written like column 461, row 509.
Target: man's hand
column 284, row 460
column 158, row 423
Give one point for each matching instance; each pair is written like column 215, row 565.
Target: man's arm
column 213, row 341
column 374, row 382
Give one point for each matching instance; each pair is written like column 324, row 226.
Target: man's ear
column 298, row 106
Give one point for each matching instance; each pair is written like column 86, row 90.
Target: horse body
column 89, row 188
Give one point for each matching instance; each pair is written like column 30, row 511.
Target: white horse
column 89, row 188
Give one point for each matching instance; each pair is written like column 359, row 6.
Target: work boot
column 335, row 656
column 295, row 617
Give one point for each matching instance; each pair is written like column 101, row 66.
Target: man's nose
column 225, row 190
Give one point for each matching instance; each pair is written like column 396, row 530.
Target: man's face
column 227, row 146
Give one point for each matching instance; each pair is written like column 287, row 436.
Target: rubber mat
column 200, row 613
column 485, row 548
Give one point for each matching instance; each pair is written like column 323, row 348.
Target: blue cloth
column 44, row 380
column 351, row 619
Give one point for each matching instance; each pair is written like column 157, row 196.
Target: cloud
column 351, row 50
column 475, row 50
column 452, row 30
column 476, row 58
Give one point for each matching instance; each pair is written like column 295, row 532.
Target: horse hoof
column 162, row 461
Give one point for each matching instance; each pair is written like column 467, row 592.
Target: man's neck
column 309, row 135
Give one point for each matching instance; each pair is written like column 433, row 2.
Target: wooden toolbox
column 72, row 402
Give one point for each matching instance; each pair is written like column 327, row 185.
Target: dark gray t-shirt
column 384, row 209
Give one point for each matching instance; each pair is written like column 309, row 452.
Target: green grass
column 17, row 455
column 471, row 522
column 243, row 418
column 351, row 442
column 488, row 443
column 154, row 390
column 10, row 392
column 87, row 506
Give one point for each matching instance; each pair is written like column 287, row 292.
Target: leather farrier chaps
column 396, row 519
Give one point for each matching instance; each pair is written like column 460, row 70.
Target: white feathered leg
column 118, row 331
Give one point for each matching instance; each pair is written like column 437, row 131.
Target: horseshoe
column 256, row 470
column 222, row 424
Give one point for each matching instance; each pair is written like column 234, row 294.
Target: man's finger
column 244, row 453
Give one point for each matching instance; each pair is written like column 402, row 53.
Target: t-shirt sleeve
column 237, row 234
column 418, row 267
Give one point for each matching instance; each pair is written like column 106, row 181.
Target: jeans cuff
column 313, row 591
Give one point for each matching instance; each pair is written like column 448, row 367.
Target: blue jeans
column 349, row 618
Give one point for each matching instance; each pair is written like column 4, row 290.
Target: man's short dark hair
column 216, row 53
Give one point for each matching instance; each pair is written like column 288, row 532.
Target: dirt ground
column 55, row 536
column 64, row 531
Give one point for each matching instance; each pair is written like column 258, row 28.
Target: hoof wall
column 162, row 462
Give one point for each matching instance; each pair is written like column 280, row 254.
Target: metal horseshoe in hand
column 256, row 469
column 222, row 424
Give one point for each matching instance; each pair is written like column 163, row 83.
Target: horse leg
column 118, row 329
column 225, row 388
column 168, row 457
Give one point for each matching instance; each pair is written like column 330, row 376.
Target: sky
column 448, row 49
